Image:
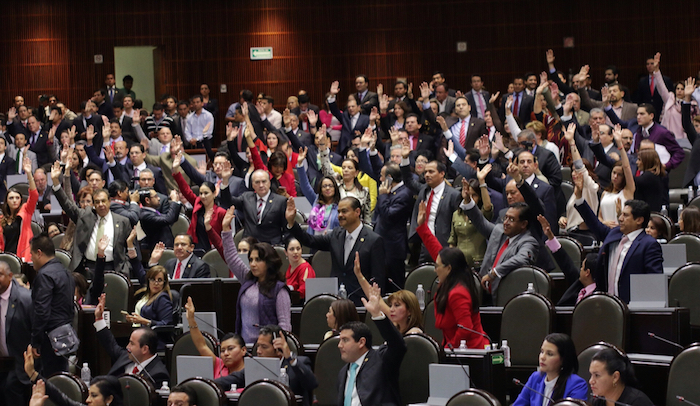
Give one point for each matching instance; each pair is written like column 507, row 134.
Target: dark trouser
column 12, row 391
column 395, row 269
column 50, row 362
column 424, row 256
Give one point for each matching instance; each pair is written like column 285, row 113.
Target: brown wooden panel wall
column 48, row 46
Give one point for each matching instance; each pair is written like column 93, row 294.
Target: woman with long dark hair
column 456, row 298
column 16, row 219
column 324, row 200
column 612, row 378
column 263, row 298
column 556, row 376
column 649, row 185
column 340, row 312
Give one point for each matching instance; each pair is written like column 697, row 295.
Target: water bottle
column 165, row 388
column 506, row 352
column 342, row 292
column 531, row 287
column 462, row 344
column 85, row 374
column 420, row 295
column 234, row 387
column 664, row 210
column 680, row 210
column 691, row 194
column 284, row 378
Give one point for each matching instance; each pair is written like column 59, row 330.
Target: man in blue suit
column 352, row 119
column 627, row 249
column 394, row 208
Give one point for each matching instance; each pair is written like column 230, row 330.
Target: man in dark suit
column 17, row 122
column 322, row 142
column 693, row 169
column 57, row 122
column 366, row 99
column 647, row 92
column 112, row 93
column 91, row 222
column 352, row 119
column 261, row 211
column 122, row 203
column 442, row 199
column 125, row 122
column 185, row 265
column 548, row 164
column 522, row 103
column 88, row 118
column 303, row 110
column 291, row 129
column 371, row 377
column 15, row 333
column 346, row 242
column 7, row 167
column 272, row 343
column 104, row 107
column 154, row 223
column 393, row 210
column 659, row 135
column 130, row 172
column 39, row 142
column 627, row 249
column 478, row 98
column 52, row 295
column 138, row 358
column 236, row 185
column 465, row 130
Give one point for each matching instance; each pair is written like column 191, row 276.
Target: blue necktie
column 351, row 385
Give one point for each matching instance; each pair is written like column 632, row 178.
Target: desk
column 90, row 349
column 231, row 399
column 487, row 370
column 672, row 323
column 652, row 374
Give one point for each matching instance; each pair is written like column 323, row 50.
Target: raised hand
column 244, row 109
column 136, row 117
column 483, row 146
column 568, row 105
column 380, row 89
column 55, row 172
column 409, row 93
column 157, row 253
column 466, row 191
column 90, row 134
column 482, row 173
column 394, row 135
column 422, row 213
column 498, row 142
column 27, row 165
column 450, row 149
column 286, row 116
column 335, row 88
column 207, row 219
column 313, row 118
column 383, row 103
column 231, row 133
column 176, row 161
column 657, row 61
column 109, row 153
column 569, row 134
column 373, row 305
column 543, row 82
column 373, row 115
column 514, row 172
column 546, row 227
column 617, row 135
column 38, row 394
column 578, row 184
column 291, row 212
column 689, row 88
column 100, row 308
column 441, row 121
column 226, row 172
column 189, row 307
column 618, row 206
column 494, row 97
column 176, row 145
column 11, row 114
column 174, row 195
column 405, row 149
column 102, row 245
column 605, row 94
column 228, row 218
column 301, row 155
column 356, row 266
column 595, row 132
column 509, row 105
column 425, row 91
column 367, row 136
column 132, row 235
column 202, row 167
column 550, row 58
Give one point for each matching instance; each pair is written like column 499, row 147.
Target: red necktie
column 463, row 134
column 500, row 252
column 260, row 205
column 581, row 295
column 414, row 142
column 240, row 137
column 430, row 203
column 135, row 371
column 651, row 86
column 178, row 270
column 516, row 105
column 481, row 104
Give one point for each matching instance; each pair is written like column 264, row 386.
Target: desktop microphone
column 652, row 335
column 360, row 288
column 609, row 400
column 682, row 399
column 493, row 347
column 143, row 369
column 517, row 382
column 460, row 364
column 394, row 283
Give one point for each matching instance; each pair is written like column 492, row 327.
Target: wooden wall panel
column 48, row 46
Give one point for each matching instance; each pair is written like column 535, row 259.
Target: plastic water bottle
column 165, row 388
column 462, row 344
column 234, row 387
column 664, row 210
column 284, row 378
column 531, row 287
column 680, row 210
column 85, row 374
column 691, row 194
column 506, row 352
column 420, row 295
column 342, row 292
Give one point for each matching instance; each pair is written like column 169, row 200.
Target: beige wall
column 137, row 62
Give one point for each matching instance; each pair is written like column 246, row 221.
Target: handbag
column 64, row 340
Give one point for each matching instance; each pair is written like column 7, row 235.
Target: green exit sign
column 260, row 53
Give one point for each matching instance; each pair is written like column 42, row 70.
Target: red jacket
column 26, row 234
column 459, row 305
column 286, row 180
column 217, row 217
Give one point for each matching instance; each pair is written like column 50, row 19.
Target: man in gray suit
column 19, row 150
column 15, row 333
column 91, row 225
column 511, row 245
column 446, row 103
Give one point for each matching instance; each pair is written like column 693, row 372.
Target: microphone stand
column 652, row 335
column 517, row 382
column 461, row 364
column 493, row 347
column 609, row 400
column 143, row 369
column 682, row 399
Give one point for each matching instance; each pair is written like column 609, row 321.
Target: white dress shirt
column 91, row 251
column 617, row 268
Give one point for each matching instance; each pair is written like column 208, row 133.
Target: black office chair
column 136, row 390
column 682, row 378
column 268, row 393
column 473, row 397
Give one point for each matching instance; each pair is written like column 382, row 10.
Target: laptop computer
column 15, row 179
column 258, row 368
column 208, row 323
column 445, row 381
column 648, row 291
column 675, row 256
column 317, row 286
column 303, row 205
column 190, row 366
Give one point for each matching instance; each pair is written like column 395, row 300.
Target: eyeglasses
column 327, row 186
column 156, row 281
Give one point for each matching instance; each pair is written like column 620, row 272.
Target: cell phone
column 281, row 190
column 389, row 179
column 124, row 312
